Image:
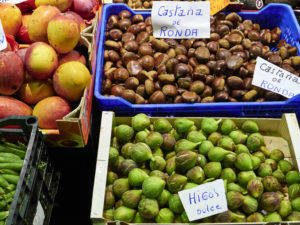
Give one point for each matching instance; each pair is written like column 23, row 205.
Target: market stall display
column 29, row 178
column 144, row 162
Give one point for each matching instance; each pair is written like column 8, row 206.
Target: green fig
column 176, row 182
column 136, row 177
column 117, row 164
column 285, row 208
column 184, row 144
column 185, row 160
column 294, row 216
column 294, row 191
column 226, row 143
column 201, row 160
column 217, row 154
column 229, row 175
column 240, row 219
column 131, row 198
column 124, row 133
column 177, row 218
column 264, row 150
column 238, row 137
column 271, row 184
column 157, row 163
column 110, row 187
column 250, row 205
column 227, row 126
column 255, row 217
column 270, row 201
column 209, row 125
column 234, row 199
column 140, row 122
column 236, row 188
column 169, row 142
column 113, row 155
column 213, row 169
column 163, row 198
column 285, row 166
column 184, row 217
column 214, row 137
column 195, row 136
column 196, row 175
column 255, row 188
column 148, row 208
column 170, row 165
column 244, row 177
column 192, row 128
column 124, row 214
column 255, row 162
column 176, row 134
column 158, row 173
column 111, row 177
column 229, row 160
column 205, row 147
column 141, row 136
column 127, row 165
column 279, row 175
column 118, row 203
column 243, row 162
column 260, row 155
column 108, row 214
column 264, row 170
column 158, row 152
column 273, row 217
column 277, row 155
column 141, row 152
column 139, row 219
column 126, row 149
column 292, row 177
column 227, row 217
column 165, row 215
column 120, row 186
column 154, row 140
column 153, row 186
column 296, row 204
column 241, row 148
column 189, row 186
column 170, row 155
column 109, row 200
column 114, row 143
column 162, row 125
column 249, row 126
column 272, row 163
column 255, row 141
column 182, row 125
column 175, row 204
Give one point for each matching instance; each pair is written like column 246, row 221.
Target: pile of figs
column 152, row 160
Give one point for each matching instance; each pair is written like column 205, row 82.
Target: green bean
column 13, row 179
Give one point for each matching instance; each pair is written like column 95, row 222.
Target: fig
column 229, row 160
column 148, row 208
column 264, row 170
column 196, row 175
column 243, row 162
column 111, row 177
column 241, row 148
column 124, row 133
column 296, row 204
column 250, row 205
column 184, row 144
column 158, row 173
column 236, row 188
column 213, row 169
column 244, row 177
column 154, row 140
column 170, row 165
column 127, row 165
column 226, row 143
column 273, row 217
column 227, row 126
column 141, row 136
column 126, row 150
column 255, row 141
column 124, row 214
column 279, row 175
column 195, row 136
column 234, row 200
column 162, row 125
column 176, row 182
column 276, row 155
column 165, row 215
column 270, row 201
column 185, row 160
column 255, row 188
column 294, row 191
column 136, row 177
column 238, row 137
column 292, row 177
column 182, row 125
column 175, row 204
column 157, row 163
column 169, row 142
column 209, row 125
column 189, row 186
column 131, row 198
column 140, row 122
column 229, row 175
column 272, row 163
column 108, row 214
column 113, row 155
column 205, row 147
column 294, row 216
column 141, row 152
column 249, row 126
column 260, row 155
column 163, row 198
column 214, row 137
column 271, row 184
column 109, row 200
column 120, row 186
column 285, row 208
column 255, row 217
column 284, row 165
column 153, row 186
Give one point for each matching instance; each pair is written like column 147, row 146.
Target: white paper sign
column 39, row 215
column 177, row 20
column 205, row 200
column 12, row 1
column 273, row 78
column 3, row 42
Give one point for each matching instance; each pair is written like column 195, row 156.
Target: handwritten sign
column 218, row 5
column 179, row 20
column 273, row 78
column 3, row 42
column 205, row 200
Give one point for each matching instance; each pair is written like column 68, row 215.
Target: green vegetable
column 13, row 166
column 4, row 215
column 13, row 179
column 15, row 151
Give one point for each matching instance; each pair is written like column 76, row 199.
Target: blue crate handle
column 274, row 109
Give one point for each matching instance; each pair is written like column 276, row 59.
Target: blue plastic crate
column 271, row 16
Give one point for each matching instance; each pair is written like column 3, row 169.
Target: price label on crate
column 178, row 20
column 273, row 78
column 218, row 5
column 3, row 42
column 205, row 200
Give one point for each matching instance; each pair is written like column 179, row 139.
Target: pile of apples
column 47, row 76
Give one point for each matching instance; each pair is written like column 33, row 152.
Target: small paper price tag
column 3, row 42
column 273, row 78
column 217, row 5
column 205, row 200
column 178, row 20
column 12, row 1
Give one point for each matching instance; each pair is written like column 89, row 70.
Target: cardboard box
column 281, row 134
column 73, row 129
